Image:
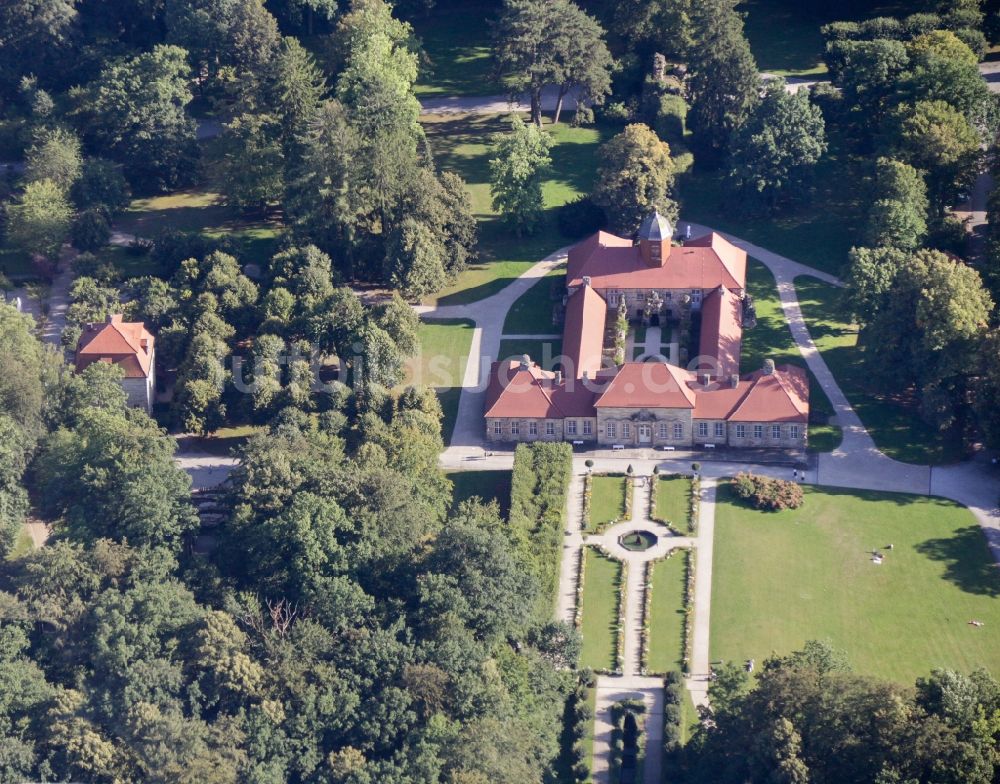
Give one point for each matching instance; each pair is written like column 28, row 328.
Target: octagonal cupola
column 654, row 237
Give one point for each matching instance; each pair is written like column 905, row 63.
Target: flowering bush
column 764, row 492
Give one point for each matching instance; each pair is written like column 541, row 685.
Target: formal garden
column 606, row 501
column 672, row 502
column 905, row 584
column 601, row 579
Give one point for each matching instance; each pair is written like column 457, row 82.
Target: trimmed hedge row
column 539, row 487
column 618, row 713
column 582, row 716
column 673, row 711
column 767, row 493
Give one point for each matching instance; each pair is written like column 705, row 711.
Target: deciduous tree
column 517, row 168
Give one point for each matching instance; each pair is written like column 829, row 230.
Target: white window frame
column 498, row 428
column 588, row 428
column 793, row 431
column 532, row 428
column 720, row 430
column 515, row 427
column 741, row 431
column 776, row 432
column 703, row 430
column 550, row 428
column 626, row 430
column 571, row 427
column 678, row 431
column 612, row 429
column 758, row 432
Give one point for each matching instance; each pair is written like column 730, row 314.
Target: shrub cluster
column 766, row 493
column 581, row 717
column 539, row 485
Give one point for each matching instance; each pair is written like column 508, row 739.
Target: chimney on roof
column 525, row 362
column 586, row 281
column 706, row 379
column 144, row 343
column 734, row 380
column 768, row 367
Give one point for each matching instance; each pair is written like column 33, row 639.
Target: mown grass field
column 892, row 420
column 600, row 611
column 666, row 615
column 673, row 503
column 455, row 40
column 783, row 578
column 544, row 352
column 444, row 353
column 462, row 144
column 607, row 501
column 531, row 314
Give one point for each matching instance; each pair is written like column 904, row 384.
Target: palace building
column 696, row 290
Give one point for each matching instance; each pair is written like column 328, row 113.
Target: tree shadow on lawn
column 968, row 561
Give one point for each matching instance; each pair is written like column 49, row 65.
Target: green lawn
column 444, row 352
column 673, row 500
column 600, row 611
column 462, row 144
column 818, row 231
column 456, row 44
column 200, row 211
column 785, row 40
column 544, row 352
column 666, row 615
column 783, row 578
column 531, row 314
column 893, row 421
column 772, row 339
column 224, row 440
column 23, row 545
column 487, row 485
column 607, row 501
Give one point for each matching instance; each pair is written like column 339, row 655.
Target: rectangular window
column 667, row 296
column 626, row 430
column 550, row 428
column 703, row 430
column 720, row 430
column 515, row 427
column 587, row 427
column 775, row 432
column 741, row 431
column 696, row 295
column 678, row 430
column 793, row 431
column 497, row 428
column 532, row 428
column 612, row 430
column 663, row 429
column 571, row 427
column 758, row 431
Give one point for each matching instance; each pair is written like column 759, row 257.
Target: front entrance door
column 645, row 434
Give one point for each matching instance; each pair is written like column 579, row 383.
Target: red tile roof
column 721, row 333
column 781, row 396
column 649, row 385
column 533, row 393
column 126, row 344
column 615, row 263
column 583, row 334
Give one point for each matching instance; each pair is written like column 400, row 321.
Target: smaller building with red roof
column 128, row 345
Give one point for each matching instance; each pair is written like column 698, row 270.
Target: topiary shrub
column 671, row 116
